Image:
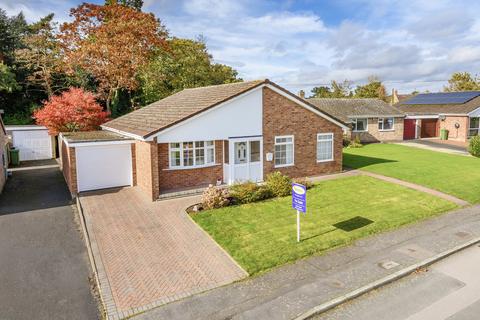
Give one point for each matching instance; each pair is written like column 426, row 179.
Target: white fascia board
column 475, row 113
column 377, row 116
column 306, row 106
column 98, row 143
column 25, row 128
column 126, row 134
column 423, row 117
column 150, row 138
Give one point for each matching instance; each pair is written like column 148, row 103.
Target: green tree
column 336, row 90
column 373, row 89
column 7, row 79
column 12, row 30
column 187, row 64
column 41, row 55
column 462, row 81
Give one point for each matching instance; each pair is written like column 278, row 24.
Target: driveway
column 150, row 253
column 448, row 146
column 44, row 271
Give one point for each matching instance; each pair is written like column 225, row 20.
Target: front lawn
column 262, row 235
column 452, row 174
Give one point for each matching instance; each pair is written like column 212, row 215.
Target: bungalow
column 428, row 113
column 211, row 135
column 371, row 120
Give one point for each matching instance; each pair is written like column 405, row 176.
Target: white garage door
column 103, row 166
column 33, row 144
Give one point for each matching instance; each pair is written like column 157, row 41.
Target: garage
column 33, row 142
column 96, row 160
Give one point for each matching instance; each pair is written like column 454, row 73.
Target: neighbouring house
column 3, row 153
column 32, row 141
column 371, row 120
column 428, row 113
column 395, row 98
column 211, row 135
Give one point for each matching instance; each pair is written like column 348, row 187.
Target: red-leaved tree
column 73, row 110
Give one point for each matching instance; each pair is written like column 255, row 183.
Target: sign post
column 299, row 203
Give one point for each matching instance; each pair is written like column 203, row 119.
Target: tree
column 373, row 89
column 135, row 4
column 187, row 64
column 73, row 110
column 7, row 79
column 12, row 30
column 336, row 90
column 41, row 55
column 111, row 42
column 462, row 81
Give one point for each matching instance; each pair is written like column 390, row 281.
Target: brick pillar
column 146, row 165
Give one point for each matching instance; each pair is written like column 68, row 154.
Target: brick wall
column 69, row 169
column 460, row 134
column 146, row 167
column 375, row 135
column 185, row 178
column 282, row 116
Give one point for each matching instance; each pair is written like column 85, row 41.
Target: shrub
column 279, row 184
column 249, row 192
column 303, row 181
column 215, row 197
column 474, row 146
column 355, row 143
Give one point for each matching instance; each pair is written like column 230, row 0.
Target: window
column 254, row 151
column 283, row 151
column 385, row 124
column 474, row 127
column 191, row 154
column 360, row 124
column 324, row 147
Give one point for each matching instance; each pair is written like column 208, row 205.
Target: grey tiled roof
column 178, row 107
column 436, row 109
column 346, row 108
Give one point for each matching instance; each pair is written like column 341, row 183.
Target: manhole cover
column 387, row 265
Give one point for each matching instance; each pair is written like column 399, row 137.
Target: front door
column 247, row 160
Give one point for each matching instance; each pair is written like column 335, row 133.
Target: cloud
column 284, row 22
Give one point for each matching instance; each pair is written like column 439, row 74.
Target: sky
column 410, row 45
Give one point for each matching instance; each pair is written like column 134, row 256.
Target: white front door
column 246, row 159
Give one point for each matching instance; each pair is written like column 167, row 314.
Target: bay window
column 324, row 147
column 191, row 154
column 284, row 151
column 360, row 125
column 385, row 124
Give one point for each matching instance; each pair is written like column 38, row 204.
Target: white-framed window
column 474, row 129
column 324, row 147
column 284, row 151
column 360, row 125
column 386, row 124
column 191, row 154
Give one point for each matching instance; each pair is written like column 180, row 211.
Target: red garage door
column 409, row 129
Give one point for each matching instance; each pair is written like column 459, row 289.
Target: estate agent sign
column 299, row 203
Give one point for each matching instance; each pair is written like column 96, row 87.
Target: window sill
column 191, row 168
column 388, row 130
column 359, row 131
column 284, row 165
column 322, row 161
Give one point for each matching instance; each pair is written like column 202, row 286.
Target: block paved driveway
column 151, row 253
column 44, row 268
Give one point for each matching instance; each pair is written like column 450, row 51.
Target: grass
column 452, row 174
column 262, row 235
